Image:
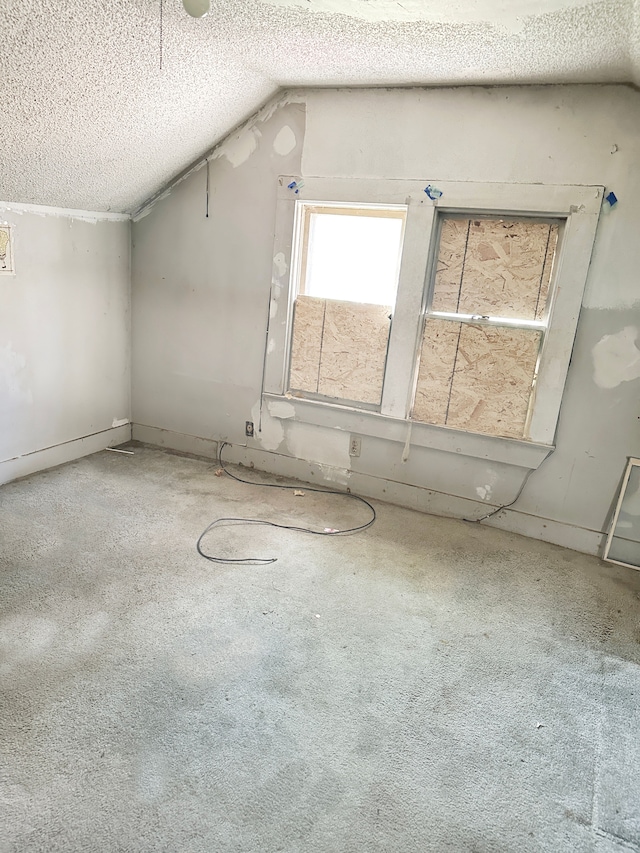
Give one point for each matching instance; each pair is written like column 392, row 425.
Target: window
column 347, row 279
column 485, row 323
column 467, row 339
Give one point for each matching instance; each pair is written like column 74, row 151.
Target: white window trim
column 579, row 206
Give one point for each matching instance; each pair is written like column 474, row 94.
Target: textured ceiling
column 89, row 119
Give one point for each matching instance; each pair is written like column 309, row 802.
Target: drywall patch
column 315, row 444
column 279, row 265
column 285, row 141
column 616, row 358
column 238, row 148
column 484, row 492
column 281, row 409
column 268, row 430
column 12, row 364
column 276, row 290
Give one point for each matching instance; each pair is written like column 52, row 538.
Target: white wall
column 201, row 287
column 64, row 339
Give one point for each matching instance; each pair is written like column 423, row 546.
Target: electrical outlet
column 354, row 445
column 248, row 428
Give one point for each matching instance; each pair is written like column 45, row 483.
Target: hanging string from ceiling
column 161, row 10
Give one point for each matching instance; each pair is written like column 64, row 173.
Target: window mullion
column 406, row 323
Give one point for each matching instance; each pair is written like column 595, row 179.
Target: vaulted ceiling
column 102, row 103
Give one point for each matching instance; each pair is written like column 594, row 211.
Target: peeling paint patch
column 616, row 358
column 118, row 422
column 237, row 149
column 503, row 15
column 270, row 432
column 285, row 141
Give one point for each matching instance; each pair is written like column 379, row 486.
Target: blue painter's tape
column 611, row 198
column 433, row 192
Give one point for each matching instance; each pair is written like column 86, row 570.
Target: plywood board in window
column 448, row 277
column 492, row 267
column 492, row 380
column 437, row 358
column 354, row 351
column 308, row 319
column 543, row 294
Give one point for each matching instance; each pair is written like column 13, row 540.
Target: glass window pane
column 353, row 257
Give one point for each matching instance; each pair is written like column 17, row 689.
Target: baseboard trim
column 175, row 440
column 412, row 497
column 58, row 454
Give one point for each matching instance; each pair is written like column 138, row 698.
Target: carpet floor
column 426, row 685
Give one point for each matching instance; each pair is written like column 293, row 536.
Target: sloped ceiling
column 102, row 103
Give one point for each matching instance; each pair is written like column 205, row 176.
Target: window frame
column 299, row 269
column 578, row 206
column 541, row 325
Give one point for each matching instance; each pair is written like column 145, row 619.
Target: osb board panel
column 437, row 357
column 308, row 319
column 492, row 379
column 451, row 251
column 494, row 267
column 354, row 351
column 476, row 378
column 543, row 294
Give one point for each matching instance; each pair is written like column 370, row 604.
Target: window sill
column 509, row 451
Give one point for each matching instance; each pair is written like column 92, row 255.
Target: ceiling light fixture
column 197, row 8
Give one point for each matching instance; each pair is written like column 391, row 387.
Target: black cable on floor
column 263, row 561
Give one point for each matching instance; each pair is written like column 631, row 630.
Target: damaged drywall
column 269, row 430
column 239, row 147
column 329, row 448
column 207, row 284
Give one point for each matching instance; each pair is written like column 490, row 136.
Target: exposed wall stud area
column 319, row 446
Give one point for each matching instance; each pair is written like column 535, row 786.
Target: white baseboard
column 175, row 440
column 412, row 497
column 49, row 457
